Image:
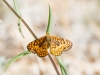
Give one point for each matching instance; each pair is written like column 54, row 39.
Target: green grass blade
column 19, row 27
column 16, row 7
column 18, row 22
column 49, row 21
column 63, row 70
column 15, row 58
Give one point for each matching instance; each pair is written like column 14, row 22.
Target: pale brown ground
column 75, row 20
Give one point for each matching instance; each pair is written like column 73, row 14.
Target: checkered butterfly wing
column 39, row 46
column 58, row 45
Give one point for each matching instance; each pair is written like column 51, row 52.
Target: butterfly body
column 57, row 45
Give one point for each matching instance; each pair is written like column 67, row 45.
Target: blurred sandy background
column 75, row 20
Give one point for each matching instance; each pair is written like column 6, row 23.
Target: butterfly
column 56, row 44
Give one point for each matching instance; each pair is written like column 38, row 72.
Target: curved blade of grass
column 15, row 58
column 19, row 27
column 48, row 32
column 63, row 70
column 49, row 21
column 19, row 20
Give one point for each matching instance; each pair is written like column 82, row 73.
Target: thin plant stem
column 54, row 65
column 21, row 19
